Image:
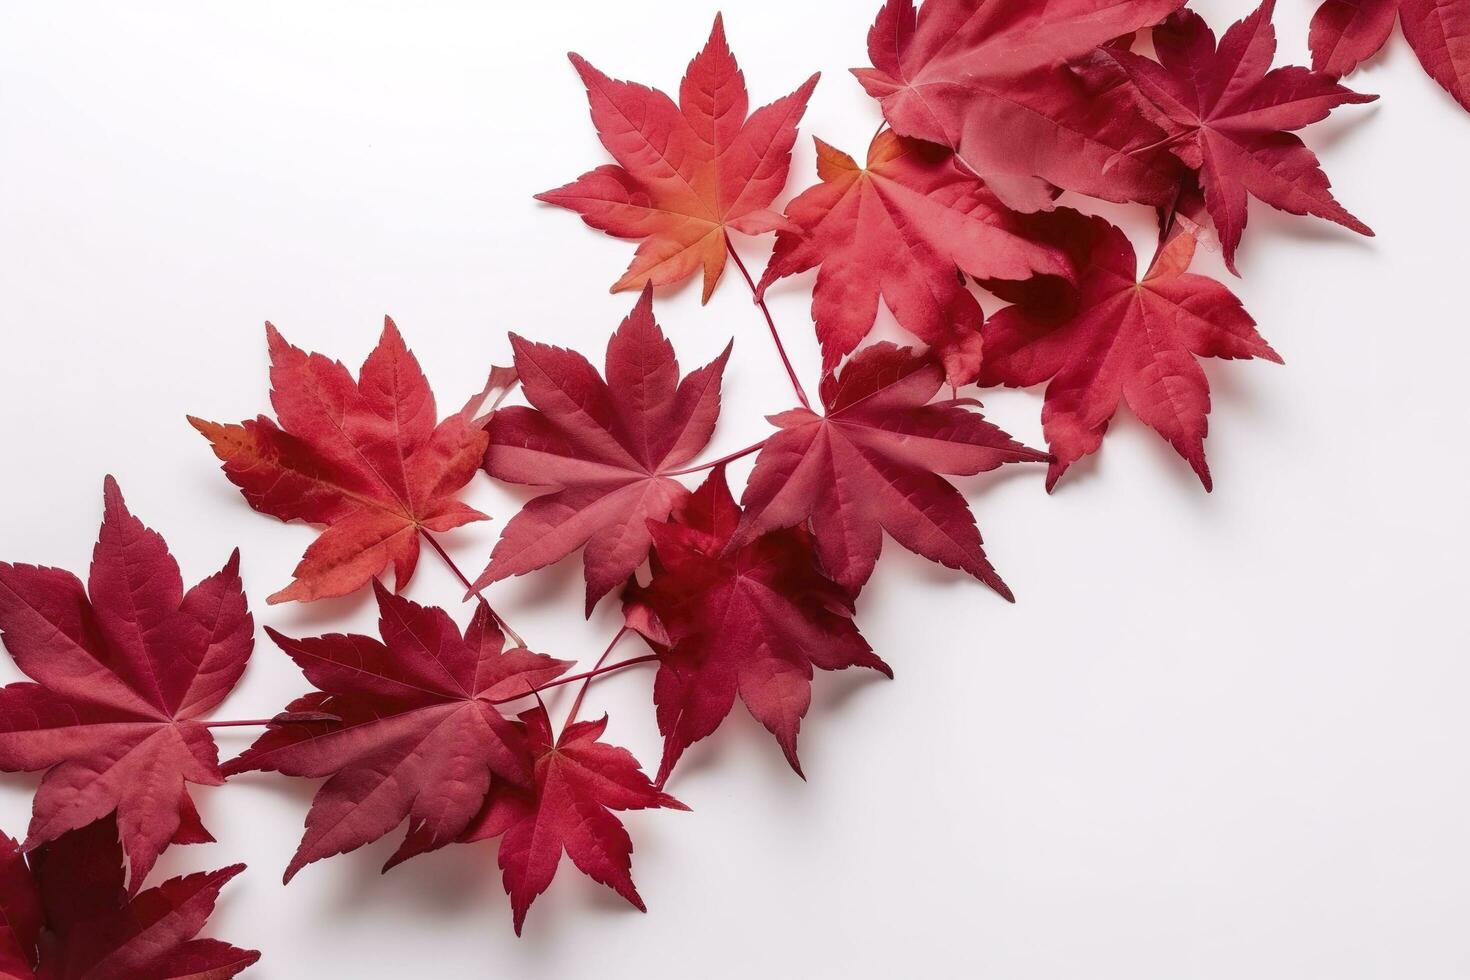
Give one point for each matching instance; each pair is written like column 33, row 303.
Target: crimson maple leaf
column 123, row 668
column 1227, row 114
column 64, row 915
column 1113, row 338
column 750, row 618
column 1345, row 33
column 686, row 174
column 367, row 458
column 872, row 463
column 419, row 736
column 609, row 446
column 577, row 781
column 987, row 78
column 899, row 228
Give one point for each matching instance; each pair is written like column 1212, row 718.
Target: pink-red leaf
column 578, row 780
column 123, row 667
column 872, row 463
column 605, row 445
column 1224, row 112
column 368, row 458
column 986, row 78
column 1114, row 338
column 1345, row 33
column 418, row 736
column 901, row 228
column 64, row 915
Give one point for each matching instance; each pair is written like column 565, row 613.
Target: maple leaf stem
column 584, row 677
column 775, row 335
column 247, row 723
column 719, row 462
column 577, row 704
column 514, row 636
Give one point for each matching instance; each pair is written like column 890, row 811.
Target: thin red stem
column 581, row 694
column 721, row 461
column 583, row 677
column 469, row 586
column 248, row 723
column 775, row 336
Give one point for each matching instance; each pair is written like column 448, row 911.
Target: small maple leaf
column 367, row 458
column 607, row 445
column 686, row 174
column 64, row 914
column 872, row 463
column 1224, row 112
column 727, row 618
column 123, row 668
column 900, row 228
column 567, row 808
column 417, row 737
column 1113, row 338
column 1345, row 33
column 986, row 78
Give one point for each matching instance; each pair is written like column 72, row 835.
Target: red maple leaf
column 987, row 78
column 727, row 618
column 1113, row 339
column 608, row 446
column 899, row 229
column 1224, row 112
column 64, row 915
column 872, row 463
column 577, row 781
column 123, row 668
column 1345, row 33
column 686, row 174
column 419, row 736
column 367, row 458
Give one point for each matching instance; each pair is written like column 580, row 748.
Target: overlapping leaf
column 123, row 667
column 900, row 228
column 1345, row 33
column 1114, row 339
column 872, row 463
column 368, row 458
column 606, row 445
column 419, row 738
column 987, row 78
column 751, row 619
column 686, row 174
column 577, row 782
column 1224, row 112
column 65, row 915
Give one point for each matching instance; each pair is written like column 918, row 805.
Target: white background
column 1219, row 736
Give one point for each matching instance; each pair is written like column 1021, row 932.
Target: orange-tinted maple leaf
column 685, row 173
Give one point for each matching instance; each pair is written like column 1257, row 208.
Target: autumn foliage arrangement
column 434, row 730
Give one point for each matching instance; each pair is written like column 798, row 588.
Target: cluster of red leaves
column 414, row 728
column 65, row 915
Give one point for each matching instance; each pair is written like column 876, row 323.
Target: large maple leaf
column 1114, row 338
column 606, row 445
column 577, row 782
column 65, row 915
column 686, row 174
column 987, row 78
column 872, row 463
column 123, row 668
column 1227, row 114
column 419, row 736
column 898, row 229
column 1345, row 33
column 750, row 619
column 368, row 458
